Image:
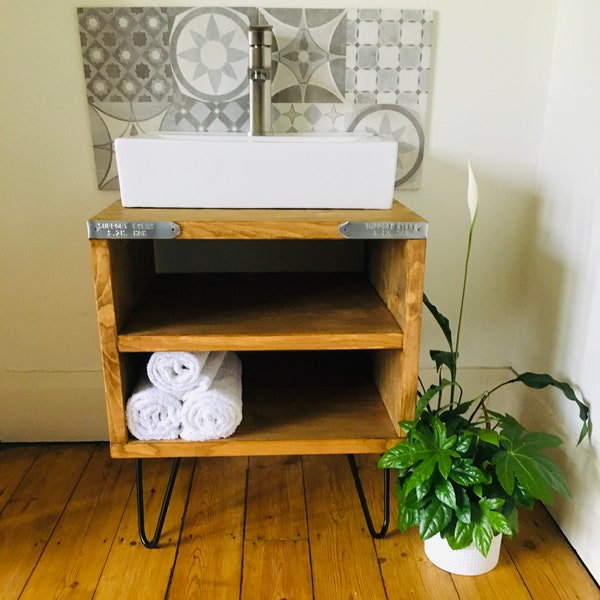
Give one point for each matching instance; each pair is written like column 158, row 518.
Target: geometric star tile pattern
column 185, row 69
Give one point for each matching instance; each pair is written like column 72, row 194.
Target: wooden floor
column 255, row 529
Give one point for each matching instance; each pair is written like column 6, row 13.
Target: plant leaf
column 499, row 523
column 444, row 491
column 482, row 537
column 466, row 474
column 539, row 381
column 421, row 473
column 553, row 475
column 443, row 358
column 463, row 506
column 434, row 517
column 489, row 436
column 431, row 393
column 518, row 465
column 463, row 536
column 407, row 517
column 442, row 321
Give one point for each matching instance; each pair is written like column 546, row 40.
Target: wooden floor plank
column 132, row 571
column 276, row 551
column 209, row 563
column 33, row 510
column 502, row 582
column 15, row 462
column 406, row 570
column 344, row 562
column 277, row 570
column 543, row 557
column 276, row 509
column 75, row 554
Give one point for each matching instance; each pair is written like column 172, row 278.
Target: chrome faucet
column 259, row 74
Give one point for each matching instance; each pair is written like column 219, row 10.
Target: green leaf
column 464, row 443
column 488, row 436
column 521, row 460
column 489, row 504
column 431, row 393
column 499, row 523
column 407, row 517
column 463, row 536
column 541, row 380
column 434, row 517
column 443, row 358
column 466, row 474
column 463, row 506
column 441, row 320
column 421, row 473
column 511, row 466
column 446, row 494
column 403, row 455
column 482, row 537
column 553, row 475
column 513, row 522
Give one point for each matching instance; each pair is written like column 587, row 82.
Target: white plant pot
column 467, row 561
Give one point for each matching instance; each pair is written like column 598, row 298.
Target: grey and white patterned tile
column 400, row 124
column 209, row 53
column 110, row 120
column 188, row 114
column 388, row 56
column 307, row 118
column 309, row 54
column 124, row 57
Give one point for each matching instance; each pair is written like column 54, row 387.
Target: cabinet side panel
column 121, row 270
column 131, row 269
column 397, row 270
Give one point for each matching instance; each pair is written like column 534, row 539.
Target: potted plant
column 464, row 470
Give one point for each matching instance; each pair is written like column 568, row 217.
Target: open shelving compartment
column 330, row 359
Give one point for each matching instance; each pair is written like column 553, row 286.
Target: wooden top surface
column 210, row 223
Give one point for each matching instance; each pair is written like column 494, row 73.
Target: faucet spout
column 260, row 38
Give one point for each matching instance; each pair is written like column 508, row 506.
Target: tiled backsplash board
column 185, row 69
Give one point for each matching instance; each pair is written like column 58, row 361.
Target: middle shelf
column 259, row 311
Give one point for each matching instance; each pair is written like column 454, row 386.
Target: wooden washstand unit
column 330, row 360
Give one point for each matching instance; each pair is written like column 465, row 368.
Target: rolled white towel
column 153, row 414
column 217, row 412
column 180, row 372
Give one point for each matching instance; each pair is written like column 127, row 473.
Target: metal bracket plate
column 365, row 230
column 132, row 230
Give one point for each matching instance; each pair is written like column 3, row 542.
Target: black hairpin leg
column 363, row 501
column 165, row 504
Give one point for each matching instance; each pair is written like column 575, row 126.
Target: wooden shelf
column 299, row 311
column 296, row 403
column 288, row 328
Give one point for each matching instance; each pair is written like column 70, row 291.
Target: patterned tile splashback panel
column 185, row 69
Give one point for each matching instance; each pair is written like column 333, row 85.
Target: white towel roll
column 180, row 372
column 153, row 414
column 217, row 412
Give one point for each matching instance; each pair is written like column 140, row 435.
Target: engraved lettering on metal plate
column 363, row 230
column 132, row 230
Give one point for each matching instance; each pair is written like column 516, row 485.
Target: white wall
column 560, row 309
column 490, row 92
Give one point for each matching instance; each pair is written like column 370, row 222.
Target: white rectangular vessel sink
column 203, row 170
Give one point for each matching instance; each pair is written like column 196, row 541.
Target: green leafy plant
column 463, row 469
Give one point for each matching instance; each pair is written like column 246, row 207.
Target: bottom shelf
column 294, row 403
